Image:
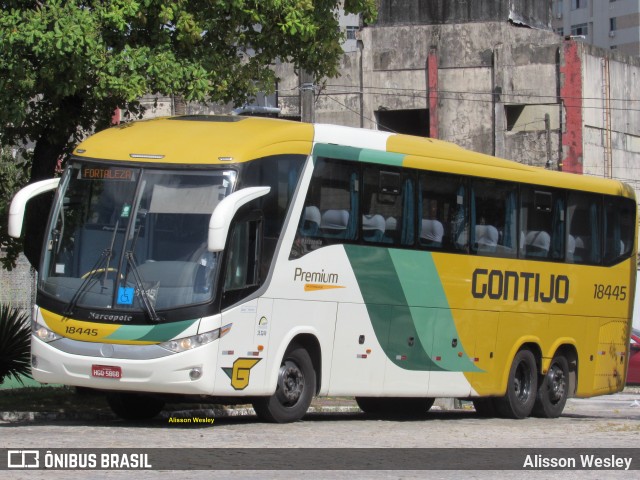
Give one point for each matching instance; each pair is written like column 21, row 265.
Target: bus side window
column 443, row 221
column 619, row 222
column 242, row 272
column 493, row 218
column 542, row 223
column 330, row 213
column 388, row 205
column 583, row 225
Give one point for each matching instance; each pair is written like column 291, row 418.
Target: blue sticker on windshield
column 126, row 210
column 125, row 295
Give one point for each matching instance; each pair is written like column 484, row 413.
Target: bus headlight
column 195, row 341
column 43, row 333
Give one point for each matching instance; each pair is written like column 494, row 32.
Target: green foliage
column 66, row 65
column 107, row 54
column 14, row 173
column 15, row 337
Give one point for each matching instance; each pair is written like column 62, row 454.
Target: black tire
column 553, row 390
column 134, row 407
column 395, row 407
column 294, row 391
column 522, row 387
column 485, row 407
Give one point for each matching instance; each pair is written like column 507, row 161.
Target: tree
column 14, row 173
column 66, row 65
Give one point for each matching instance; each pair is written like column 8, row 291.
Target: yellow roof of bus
column 218, row 139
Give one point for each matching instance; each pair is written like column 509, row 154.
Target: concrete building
column 490, row 76
column 610, row 24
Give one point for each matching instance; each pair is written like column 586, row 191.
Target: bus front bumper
column 189, row 372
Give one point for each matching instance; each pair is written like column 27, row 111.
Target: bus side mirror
column 224, row 212
column 19, row 203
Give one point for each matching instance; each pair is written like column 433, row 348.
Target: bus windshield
column 133, row 239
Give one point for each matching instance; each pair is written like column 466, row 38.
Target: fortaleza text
column 191, row 420
column 583, row 462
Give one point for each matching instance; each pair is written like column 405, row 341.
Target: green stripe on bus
column 152, row 333
column 358, row 154
column 414, row 326
column 415, row 270
column 386, row 303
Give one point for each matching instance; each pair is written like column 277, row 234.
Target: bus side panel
column 358, row 363
column 241, row 365
column 478, row 331
column 610, row 357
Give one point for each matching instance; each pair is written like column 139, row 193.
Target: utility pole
column 307, row 97
column 547, row 129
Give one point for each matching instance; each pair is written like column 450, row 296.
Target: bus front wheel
column 554, row 389
column 521, row 387
column 294, row 391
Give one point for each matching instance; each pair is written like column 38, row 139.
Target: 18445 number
column 616, row 292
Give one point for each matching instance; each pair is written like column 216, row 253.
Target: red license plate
column 106, row 371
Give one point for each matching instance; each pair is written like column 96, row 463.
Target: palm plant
column 15, row 337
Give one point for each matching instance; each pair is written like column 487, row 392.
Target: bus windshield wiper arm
column 89, row 277
column 144, row 295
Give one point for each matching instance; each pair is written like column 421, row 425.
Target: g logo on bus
column 239, row 373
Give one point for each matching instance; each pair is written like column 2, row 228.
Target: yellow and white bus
column 263, row 261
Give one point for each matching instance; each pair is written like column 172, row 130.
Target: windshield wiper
column 144, row 295
column 90, row 278
column 101, row 266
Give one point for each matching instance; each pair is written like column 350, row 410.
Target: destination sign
column 108, row 173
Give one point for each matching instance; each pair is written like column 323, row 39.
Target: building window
column 580, row 29
column 613, row 24
column 576, row 4
column 559, row 31
column 352, row 32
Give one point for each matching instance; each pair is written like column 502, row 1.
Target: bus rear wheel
column 294, row 391
column 396, row 407
column 554, row 389
column 522, row 386
column 132, row 407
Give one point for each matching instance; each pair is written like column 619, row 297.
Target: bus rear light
column 438, row 358
column 253, row 354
